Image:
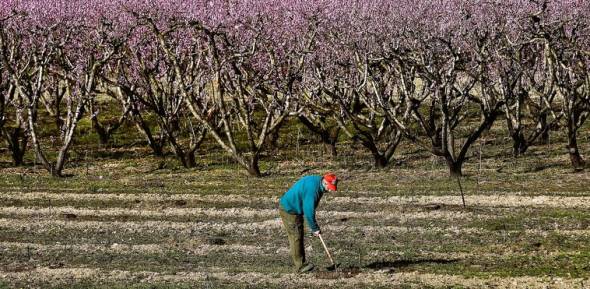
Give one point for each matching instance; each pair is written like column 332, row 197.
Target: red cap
column 331, row 181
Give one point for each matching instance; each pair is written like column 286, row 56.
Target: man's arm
column 309, row 205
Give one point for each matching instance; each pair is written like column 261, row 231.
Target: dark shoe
column 307, row 268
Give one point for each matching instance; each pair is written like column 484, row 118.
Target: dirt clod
column 433, row 207
column 338, row 273
column 216, row 241
column 17, row 268
column 56, row 265
column 69, row 216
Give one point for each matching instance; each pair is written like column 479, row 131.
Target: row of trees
column 438, row 75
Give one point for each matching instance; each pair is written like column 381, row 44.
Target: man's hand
column 317, row 233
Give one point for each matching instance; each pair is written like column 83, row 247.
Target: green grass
column 485, row 242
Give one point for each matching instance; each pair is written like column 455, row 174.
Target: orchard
column 449, row 94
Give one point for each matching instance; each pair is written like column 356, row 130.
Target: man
column 298, row 203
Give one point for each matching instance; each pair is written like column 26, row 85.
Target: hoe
column 334, row 265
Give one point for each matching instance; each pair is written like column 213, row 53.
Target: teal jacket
column 303, row 198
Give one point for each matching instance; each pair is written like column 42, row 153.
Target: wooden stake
column 461, row 189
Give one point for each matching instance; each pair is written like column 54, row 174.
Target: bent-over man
column 299, row 203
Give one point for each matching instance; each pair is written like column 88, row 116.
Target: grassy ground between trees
column 125, row 219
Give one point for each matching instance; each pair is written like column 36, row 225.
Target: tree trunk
column 574, row 153
column 330, row 147
column 54, row 173
column 63, row 154
column 18, row 157
column 380, row 161
column 103, row 134
column 455, row 168
column 195, row 144
column 57, row 169
column 106, row 131
column 190, row 159
column 17, row 144
column 273, row 139
column 329, row 138
column 519, row 144
column 543, row 125
column 157, row 147
column 187, row 159
column 253, row 168
column 178, row 152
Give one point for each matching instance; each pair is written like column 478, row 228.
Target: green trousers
column 294, row 226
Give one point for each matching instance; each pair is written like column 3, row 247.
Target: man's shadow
column 399, row 264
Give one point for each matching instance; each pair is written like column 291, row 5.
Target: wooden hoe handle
column 326, row 248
